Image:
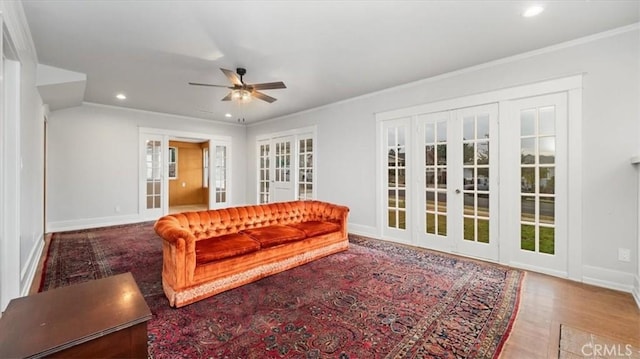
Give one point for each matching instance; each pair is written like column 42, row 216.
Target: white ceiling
column 324, row 51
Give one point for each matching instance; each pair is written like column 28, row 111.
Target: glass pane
column 547, row 121
column 392, row 219
column 429, row 155
column 401, row 157
column 547, row 180
column 392, row 199
column 483, row 127
column 469, row 204
column 528, row 151
column 149, row 187
column 309, row 145
column 528, row 209
column 528, row 122
column 401, row 177
column 442, row 131
column 442, row 225
column 430, row 199
column 469, row 229
column 483, row 153
column 301, row 176
column 430, row 178
column 392, row 180
column 442, row 178
column 468, row 178
column 156, row 201
column 483, row 204
column 156, row 187
column 483, row 179
column 431, row 223
column 547, row 240
column 302, row 145
column 392, row 158
column 149, row 202
column 391, row 137
column 442, row 202
column 483, row 230
column 401, row 199
column 527, row 237
column 527, row 179
column 442, row 155
column 401, row 140
column 429, row 133
column 469, row 128
column 547, row 210
column 547, row 148
column 468, row 150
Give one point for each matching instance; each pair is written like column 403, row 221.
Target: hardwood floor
column 546, row 303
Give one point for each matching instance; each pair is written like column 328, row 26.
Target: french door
column 153, row 186
column 283, row 189
column 286, row 168
column 457, row 154
column 537, row 159
column 487, row 176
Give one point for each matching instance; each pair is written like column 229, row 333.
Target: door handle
column 457, row 191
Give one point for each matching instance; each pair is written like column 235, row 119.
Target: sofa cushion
column 273, row 235
column 229, row 245
column 316, row 228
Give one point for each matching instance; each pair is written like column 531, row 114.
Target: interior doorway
column 188, row 182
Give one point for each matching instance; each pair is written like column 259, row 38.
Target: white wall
column 93, row 162
column 611, row 63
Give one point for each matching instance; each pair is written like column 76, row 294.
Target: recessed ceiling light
column 121, row 96
column 228, row 115
column 532, row 11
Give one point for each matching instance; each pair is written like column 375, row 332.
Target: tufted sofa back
column 213, row 223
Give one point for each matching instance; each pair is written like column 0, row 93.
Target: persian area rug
column 376, row 300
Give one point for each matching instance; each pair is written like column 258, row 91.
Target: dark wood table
column 104, row 318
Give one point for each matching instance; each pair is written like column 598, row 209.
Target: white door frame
column 172, row 134
column 572, row 85
column 10, row 273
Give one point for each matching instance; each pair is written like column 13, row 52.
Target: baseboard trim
column 362, row 230
column 608, row 278
column 636, row 290
column 29, row 271
column 88, row 223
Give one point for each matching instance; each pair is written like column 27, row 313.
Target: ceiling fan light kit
column 242, row 91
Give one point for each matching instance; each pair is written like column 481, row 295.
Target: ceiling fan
column 242, row 91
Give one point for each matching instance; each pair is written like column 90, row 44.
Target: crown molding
column 498, row 62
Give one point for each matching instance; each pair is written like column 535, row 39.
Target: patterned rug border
column 376, row 243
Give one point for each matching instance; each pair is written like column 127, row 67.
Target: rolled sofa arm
column 178, row 251
column 341, row 213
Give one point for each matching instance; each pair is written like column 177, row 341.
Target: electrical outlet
column 624, row 255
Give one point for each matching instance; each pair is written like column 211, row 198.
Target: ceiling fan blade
column 228, row 97
column 210, row 85
column 232, row 76
column 263, row 97
column 269, row 86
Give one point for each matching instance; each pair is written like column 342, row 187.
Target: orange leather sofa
column 208, row 252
